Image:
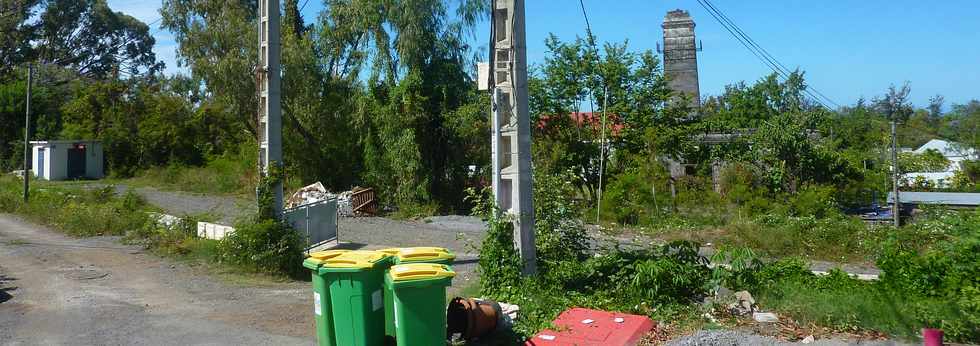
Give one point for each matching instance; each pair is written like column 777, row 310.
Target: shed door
column 76, row 162
column 40, row 163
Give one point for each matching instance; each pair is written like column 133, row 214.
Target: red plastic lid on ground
column 582, row 327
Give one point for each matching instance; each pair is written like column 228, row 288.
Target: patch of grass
column 836, row 238
column 229, row 174
column 78, row 212
column 845, row 304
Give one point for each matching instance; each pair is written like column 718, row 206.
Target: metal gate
column 317, row 221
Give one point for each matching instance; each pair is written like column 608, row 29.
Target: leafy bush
column 266, row 246
column 814, row 200
column 628, row 199
column 929, row 161
column 560, row 233
column 659, row 281
column 176, row 239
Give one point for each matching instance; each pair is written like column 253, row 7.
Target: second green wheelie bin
column 355, row 280
column 419, row 302
column 422, row 254
column 321, row 296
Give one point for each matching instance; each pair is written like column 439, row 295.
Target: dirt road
column 57, row 290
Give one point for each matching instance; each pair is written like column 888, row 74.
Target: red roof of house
column 594, row 119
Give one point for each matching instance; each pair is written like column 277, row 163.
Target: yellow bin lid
column 416, row 254
column 419, row 271
column 320, row 256
column 355, row 260
column 328, row 254
column 393, row 251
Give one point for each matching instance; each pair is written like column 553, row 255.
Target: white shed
column 67, row 159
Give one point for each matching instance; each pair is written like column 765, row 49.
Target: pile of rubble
column 345, row 200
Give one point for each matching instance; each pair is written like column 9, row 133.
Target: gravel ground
column 734, row 337
column 225, row 209
column 460, row 234
column 57, row 290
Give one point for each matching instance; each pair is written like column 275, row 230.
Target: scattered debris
column 765, row 317
column 363, row 201
column 357, row 201
column 311, row 193
column 213, row 231
column 808, row 339
column 744, row 304
column 472, row 318
column 165, row 220
column 509, row 313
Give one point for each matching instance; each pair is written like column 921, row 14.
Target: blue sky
column 848, row 48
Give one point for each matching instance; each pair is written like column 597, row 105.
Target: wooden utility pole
column 511, row 132
column 268, row 80
column 895, row 205
column 27, row 133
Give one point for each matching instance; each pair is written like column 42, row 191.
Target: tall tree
column 15, row 32
column 895, row 104
column 88, row 37
column 218, row 41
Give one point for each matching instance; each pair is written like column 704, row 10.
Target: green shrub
column 560, row 234
column 660, row 281
column 176, row 239
column 266, row 246
column 815, row 200
column 628, row 199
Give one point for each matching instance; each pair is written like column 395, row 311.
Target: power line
column 605, row 101
column 760, row 52
column 763, row 50
column 744, row 40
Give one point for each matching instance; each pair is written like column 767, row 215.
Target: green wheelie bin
column 420, row 302
column 321, row 296
column 355, row 280
column 423, row 254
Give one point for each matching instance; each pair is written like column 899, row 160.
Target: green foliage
column 77, row 212
column 176, row 239
column 930, row 161
column 233, row 172
column 929, row 278
column 265, row 246
column 637, row 93
column 659, row 282
column 559, row 234
column 84, row 36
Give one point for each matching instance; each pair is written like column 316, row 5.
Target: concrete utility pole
column 268, row 80
column 27, row 133
column 511, row 139
column 895, row 206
